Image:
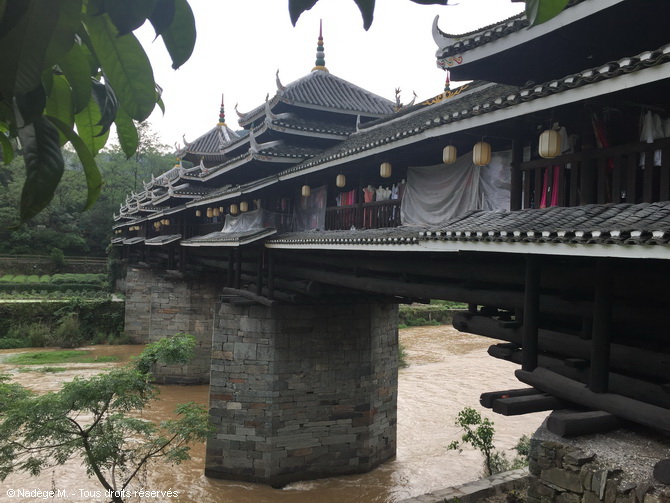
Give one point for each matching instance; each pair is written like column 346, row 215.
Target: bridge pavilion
column 538, row 193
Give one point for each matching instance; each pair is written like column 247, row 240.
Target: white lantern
column 244, row 206
column 233, row 209
column 449, row 154
column 209, row 213
column 481, row 153
column 306, row 191
column 550, row 144
column 340, row 180
column 385, row 170
column 216, row 212
column 198, row 213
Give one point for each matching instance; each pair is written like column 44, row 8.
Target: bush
column 58, row 257
column 68, row 334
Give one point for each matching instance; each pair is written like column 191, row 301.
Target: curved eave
column 162, row 240
column 228, row 240
column 306, row 132
column 476, row 47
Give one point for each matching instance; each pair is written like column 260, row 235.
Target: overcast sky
column 242, row 43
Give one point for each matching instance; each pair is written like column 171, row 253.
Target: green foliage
column 478, row 432
column 77, row 63
column 538, row 11
column 96, row 419
column 176, row 349
column 402, row 357
column 67, row 356
column 68, row 333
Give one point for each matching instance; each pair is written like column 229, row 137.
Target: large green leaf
column 59, row 104
column 540, row 11
column 127, row 132
column 297, row 7
column 7, row 149
column 367, row 8
column 125, row 65
column 44, row 166
column 108, row 105
column 93, row 176
column 24, row 46
column 69, row 20
column 89, row 129
column 162, row 16
column 30, row 104
column 127, row 15
column 76, row 69
column 179, row 38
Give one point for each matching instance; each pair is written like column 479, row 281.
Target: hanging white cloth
column 436, row 194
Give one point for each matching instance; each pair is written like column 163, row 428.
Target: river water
column 447, row 371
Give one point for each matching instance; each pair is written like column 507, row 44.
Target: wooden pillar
column 238, row 268
column 602, row 321
column 259, row 272
column 516, row 193
column 531, row 308
column 271, row 274
column 231, row 268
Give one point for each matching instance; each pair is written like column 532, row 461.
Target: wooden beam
column 487, row 399
column 639, row 361
column 572, row 391
column 573, row 424
column 236, row 292
column 519, row 405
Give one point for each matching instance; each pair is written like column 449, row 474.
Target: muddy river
column 447, row 371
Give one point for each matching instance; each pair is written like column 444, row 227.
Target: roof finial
column 320, row 55
column 222, row 114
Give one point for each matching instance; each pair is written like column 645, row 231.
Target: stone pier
column 300, row 392
column 159, row 304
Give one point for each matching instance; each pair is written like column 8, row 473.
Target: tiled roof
column 162, row 240
column 229, row 238
column 642, row 224
column 211, row 143
column 319, row 89
column 312, row 126
column 476, row 100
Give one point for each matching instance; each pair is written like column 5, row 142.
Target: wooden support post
column 231, row 268
column 271, row 274
column 602, row 321
column 259, row 272
column 516, row 190
column 531, row 307
column 238, row 268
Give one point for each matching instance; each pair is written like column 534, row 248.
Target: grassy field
column 50, row 357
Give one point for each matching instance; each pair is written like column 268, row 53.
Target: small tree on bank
column 96, row 419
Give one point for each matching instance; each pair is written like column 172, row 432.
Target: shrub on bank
column 435, row 313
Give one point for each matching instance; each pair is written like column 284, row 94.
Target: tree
column 67, row 63
column 96, row 419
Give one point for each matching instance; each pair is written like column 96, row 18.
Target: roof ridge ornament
column 240, row 115
column 320, row 55
column 222, row 114
column 280, row 87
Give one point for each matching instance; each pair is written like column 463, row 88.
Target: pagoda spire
column 222, row 114
column 320, row 55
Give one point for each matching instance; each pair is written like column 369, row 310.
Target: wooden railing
column 70, row 260
column 621, row 174
column 375, row 215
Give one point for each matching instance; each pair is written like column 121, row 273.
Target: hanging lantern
column 550, row 144
column 198, row 213
column 449, row 154
column 385, row 170
column 233, row 209
column 216, row 212
column 340, row 180
column 167, row 222
column 220, row 209
column 481, row 153
column 244, row 206
column 306, row 191
column 209, row 213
